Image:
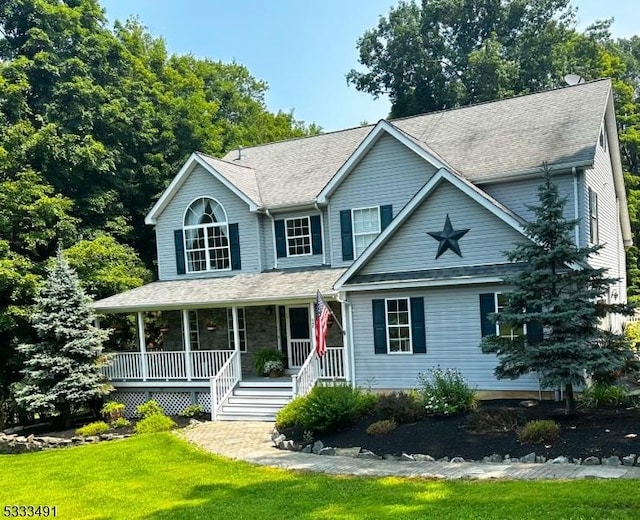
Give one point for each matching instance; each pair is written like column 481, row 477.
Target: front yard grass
column 159, row 476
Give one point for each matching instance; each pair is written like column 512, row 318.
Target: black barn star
column 448, row 238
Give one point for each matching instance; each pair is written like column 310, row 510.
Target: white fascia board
column 410, row 284
column 365, row 146
column 441, row 175
column 178, row 180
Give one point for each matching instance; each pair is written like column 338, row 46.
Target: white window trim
column 497, row 324
column 240, row 329
column 287, row 237
column 353, row 231
column 594, row 220
column 386, row 324
column 205, row 228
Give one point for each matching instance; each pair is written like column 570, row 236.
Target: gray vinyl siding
column 293, row 261
column 516, row 195
column 202, row 184
column 453, row 334
column 411, row 248
column 611, row 256
column 389, row 173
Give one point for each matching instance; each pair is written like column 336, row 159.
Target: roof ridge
column 516, row 96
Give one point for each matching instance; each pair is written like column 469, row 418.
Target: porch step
column 256, row 400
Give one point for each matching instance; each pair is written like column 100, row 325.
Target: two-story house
column 401, row 225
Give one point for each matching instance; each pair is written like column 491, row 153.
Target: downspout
column 324, row 248
column 576, row 211
column 273, row 238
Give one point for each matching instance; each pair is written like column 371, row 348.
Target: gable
column 411, row 248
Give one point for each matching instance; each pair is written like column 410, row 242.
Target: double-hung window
column 298, row 235
column 398, row 315
column 366, row 227
column 206, row 236
column 594, row 235
column 502, row 329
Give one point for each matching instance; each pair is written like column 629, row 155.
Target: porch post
column 143, row 346
column 236, row 331
column 186, row 337
column 346, row 343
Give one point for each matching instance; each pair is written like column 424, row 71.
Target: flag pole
column 335, row 318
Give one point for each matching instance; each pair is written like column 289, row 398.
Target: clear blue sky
column 302, row 48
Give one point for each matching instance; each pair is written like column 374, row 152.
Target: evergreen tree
column 563, row 294
column 62, row 370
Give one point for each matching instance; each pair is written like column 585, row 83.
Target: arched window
column 206, row 236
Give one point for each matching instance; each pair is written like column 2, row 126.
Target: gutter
column 576, row 211
column 273, row 238
column 531, row 172
column 324, row 248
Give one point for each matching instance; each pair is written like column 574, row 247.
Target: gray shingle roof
column 241, row 289
column 481, row 142
column 243, row 177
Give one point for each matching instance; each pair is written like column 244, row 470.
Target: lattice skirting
column 172, row 402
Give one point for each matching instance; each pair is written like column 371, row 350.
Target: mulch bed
column 599, row 433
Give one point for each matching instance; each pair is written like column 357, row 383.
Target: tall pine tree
column 563, row 294
column 62, row 370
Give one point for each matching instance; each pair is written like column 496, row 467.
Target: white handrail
column 223, row 383
column 307, row 376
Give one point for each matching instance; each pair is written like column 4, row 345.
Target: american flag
column 323, row 312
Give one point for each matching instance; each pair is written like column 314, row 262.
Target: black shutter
column 487, row 306
column 418, row 334
column 178, row 240
column 234, row 245
column 535, row 333
column 386, row 216
column 316, row 235
column 379, row 327
column 281, row 239
column 346, row 235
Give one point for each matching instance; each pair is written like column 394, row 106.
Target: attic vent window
column 603, row 138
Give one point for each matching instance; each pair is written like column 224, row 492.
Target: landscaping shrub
column 380, row 428
column 155, row 423
column 543, row 431
column 112, row 410
column 499, row 420
column 120, row 422
column 94, row 428
column 149, row 408
column 290, row 416
column 262, row 356
column 605, row 395
column 191, row 411
column 399, row 406
column 330, row 408
column 446, row 391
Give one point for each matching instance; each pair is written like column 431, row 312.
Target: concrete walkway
column 251, row 441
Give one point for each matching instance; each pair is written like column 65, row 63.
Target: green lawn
column 161, row 477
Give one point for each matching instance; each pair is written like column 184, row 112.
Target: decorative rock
column 611, row 461
column 528, row 403
column 195, row 422
column 629, row 460
column 423, row 458
column 317, row 447
column 559, row 460
column 457, row 460
column 278, row 440
column 388, row 456
column 290, row 446
column 30, row 439
column 366, row 454
column 407, row 457
column 541, row 459
column 528, row 459
column 307, row 449
column 348, row 452
column 275, row 434
column 577, row 462
column 328, row 451
column 443, row 459
column 493, row 458
column 591, row 461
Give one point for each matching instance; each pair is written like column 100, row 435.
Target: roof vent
column 240, row 156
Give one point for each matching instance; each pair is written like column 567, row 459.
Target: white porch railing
column 332, row 364
column 223, row 383
column 299, row 350
column 309, row 373
column 171, row 365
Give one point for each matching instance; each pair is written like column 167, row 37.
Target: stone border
column 281, row 442
column 13, row 443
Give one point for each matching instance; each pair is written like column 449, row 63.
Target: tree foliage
column 561, row 292
column 63, row 368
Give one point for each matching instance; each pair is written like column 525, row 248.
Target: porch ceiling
column 242, row 289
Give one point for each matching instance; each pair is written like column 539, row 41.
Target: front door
column 298, row 325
